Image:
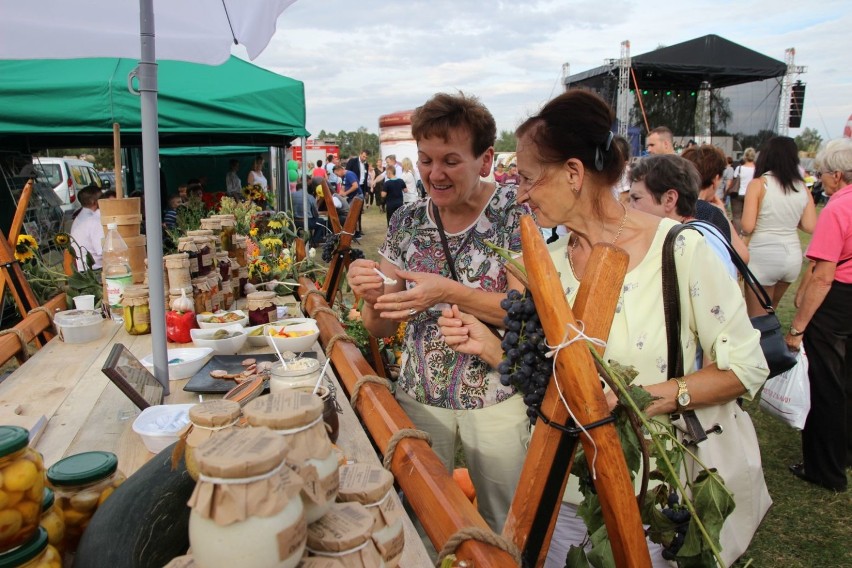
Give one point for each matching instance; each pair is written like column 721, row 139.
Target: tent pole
column 151, row 175
column 305, row 187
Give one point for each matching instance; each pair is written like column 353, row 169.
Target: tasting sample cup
column 84, row 302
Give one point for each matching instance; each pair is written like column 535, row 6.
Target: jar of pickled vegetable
column 52, row 520
column 35, row 553
column 201, row 295
column 261, row 307
column 82, row 482
column 137, row 314
column 22, row 488
column 240, row 248
column 226, row 237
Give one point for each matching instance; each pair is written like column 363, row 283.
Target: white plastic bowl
column 200, row 318
column 79, row 326
column 227, row 346
column 259, row 340
column 159, row 426
column 183, row 362
column 294, row 344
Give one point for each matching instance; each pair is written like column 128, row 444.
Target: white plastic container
column 159, row 425
column 79, row 326
column 300, row 372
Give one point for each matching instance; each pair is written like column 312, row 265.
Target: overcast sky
column 365, row 58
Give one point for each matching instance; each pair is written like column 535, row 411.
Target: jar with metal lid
column 297, row 417
column 201, row 295
column 177, row 266
column 215, row 290
column 137, row 314
column 261, row 307
column 372, row 486
column 35, row 553
column 52, row 520
column 246, row 509
column 187, row 245
column 298, row 372
column 344, row 533
column 205, row 419
column 82, row 483
column 21, row 488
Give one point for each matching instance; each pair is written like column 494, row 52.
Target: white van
column 66, row 176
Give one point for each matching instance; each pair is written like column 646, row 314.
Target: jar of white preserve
column 298, row 372
column 344, row 534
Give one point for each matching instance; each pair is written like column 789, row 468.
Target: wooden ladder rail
column 437, row 501
column 535, row 506
column 31, row 326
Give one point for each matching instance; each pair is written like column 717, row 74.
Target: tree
column 506, row 142
column 754, row 140
column 676, row 110
column 809, row 141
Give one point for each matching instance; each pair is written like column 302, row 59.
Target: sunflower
column 62, row 239
column 25, row 248
column 264, row 268
column 275, row 224
column 271, row 242
column 253, row 232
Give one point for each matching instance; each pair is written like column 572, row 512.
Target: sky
column 362, row 59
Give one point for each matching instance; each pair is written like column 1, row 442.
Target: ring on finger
column 412, row 312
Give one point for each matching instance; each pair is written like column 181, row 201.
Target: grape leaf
column 660, row 529
column 590, row 511
column 630, row 444
column 577, row 558
column 600, row 556
column 713, row 502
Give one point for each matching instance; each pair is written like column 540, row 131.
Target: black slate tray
column 202, row 382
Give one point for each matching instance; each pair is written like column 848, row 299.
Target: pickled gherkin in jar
column 137, row 314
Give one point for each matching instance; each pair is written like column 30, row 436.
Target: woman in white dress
column 256, row 174
column 410, row 195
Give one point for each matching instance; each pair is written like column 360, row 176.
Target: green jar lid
column 47, row 500
column 81, row 469
column 25, row 552
column 12, row 439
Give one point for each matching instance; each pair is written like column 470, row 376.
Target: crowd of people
column 568, row 170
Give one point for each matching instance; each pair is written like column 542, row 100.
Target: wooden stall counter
column 85, row 411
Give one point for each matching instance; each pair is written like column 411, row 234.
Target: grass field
column 806, row 526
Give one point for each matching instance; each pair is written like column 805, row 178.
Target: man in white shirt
column 660, row 141
column 86, row 230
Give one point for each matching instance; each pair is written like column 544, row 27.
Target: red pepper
column 178, row 325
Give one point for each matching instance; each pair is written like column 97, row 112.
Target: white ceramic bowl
column 259, row 340
column 160, row 425
column 227, row 346
column 294, row 344
column 204, row 324
column 183, row 362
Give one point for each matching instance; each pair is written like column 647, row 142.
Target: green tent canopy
column 74, row 102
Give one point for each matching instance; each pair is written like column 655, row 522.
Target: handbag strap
column 450, row 260
column 671, row 309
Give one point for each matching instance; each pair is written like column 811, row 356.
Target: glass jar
column 52, row 520
column 82, row 482
column 299, row 372
column 246, row 509
column 244, row 278
column 227, row 295
column 229, row 228
column 344, row 533
column 212, row 224
column 207, row 418
column 261, row 307
column 202, row 239
column 187, row 245
column 240, row 248
column 215, row 291
column 224, row 265
column 137, row 314
column 297, row 416
column 22, row 474
column 35, row 553
column 371, row 486
column 201, row 295
column 177, row 267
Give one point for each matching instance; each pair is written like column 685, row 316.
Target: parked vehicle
column 67, row 176
column 108, row 178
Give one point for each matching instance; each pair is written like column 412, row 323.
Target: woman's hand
column 364, row 280
column 794, row 343
column 464, row 333
column 427, row 290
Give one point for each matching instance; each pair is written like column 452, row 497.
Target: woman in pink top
column 824, row 321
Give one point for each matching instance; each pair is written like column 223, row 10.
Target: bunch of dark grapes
column 524, row 364
column 330, row 247
column 680, row 516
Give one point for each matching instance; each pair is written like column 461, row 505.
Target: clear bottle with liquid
column 116, row 271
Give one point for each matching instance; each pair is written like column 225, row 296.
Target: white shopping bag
column 787, row 397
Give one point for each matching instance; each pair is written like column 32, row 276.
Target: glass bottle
column 116, row 271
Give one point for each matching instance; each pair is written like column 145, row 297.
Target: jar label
column 291, row 539
column 392, row 544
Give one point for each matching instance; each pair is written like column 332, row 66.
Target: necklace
column 570, row 253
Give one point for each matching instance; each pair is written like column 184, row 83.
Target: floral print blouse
column 430, row 371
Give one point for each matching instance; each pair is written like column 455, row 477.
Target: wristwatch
column 795, row 332
column 683, row 399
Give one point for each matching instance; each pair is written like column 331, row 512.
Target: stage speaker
column 797, row 103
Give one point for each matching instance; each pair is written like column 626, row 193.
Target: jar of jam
column 52, row 520
column 187, row 245
column 263, row 524
column 201, row 295
column 35, row 553
column 22, row 473
column 82, row 483
column 261, row 307
column 224, row 265
column 137, row 314
column 206, row 249
column 297, row 417
column 244, row 277
column 371, row 486
column 205, row 419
